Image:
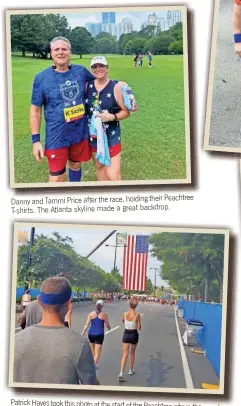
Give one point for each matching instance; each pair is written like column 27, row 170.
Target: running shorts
column 96, row 339
column 130, row 337
column 114, row 150
column 57, row 158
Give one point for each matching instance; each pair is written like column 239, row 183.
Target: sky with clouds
column 137, row 17
column 85, row 240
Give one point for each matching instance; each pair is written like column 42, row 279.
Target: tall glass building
column 174, row 17
column 108, row 18
column 93, row 28
column 96, row 29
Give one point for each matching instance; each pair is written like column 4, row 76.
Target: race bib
column 74, row 113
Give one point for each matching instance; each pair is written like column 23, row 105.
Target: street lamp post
column 115, row 246
column 29, row 262
column 154, row 269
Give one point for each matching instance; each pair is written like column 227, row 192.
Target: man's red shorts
column 57, row 158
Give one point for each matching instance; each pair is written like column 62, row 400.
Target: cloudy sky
column 137, row 18
column 85, row 240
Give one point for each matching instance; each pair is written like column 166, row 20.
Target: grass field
column 153, row 138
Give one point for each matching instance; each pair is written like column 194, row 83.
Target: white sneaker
column 97, row 371
column 131, row 372
column 121, row 378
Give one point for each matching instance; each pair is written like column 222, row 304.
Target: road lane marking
column 186, row 369
column 113, row 329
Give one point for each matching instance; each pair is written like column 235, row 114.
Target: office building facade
column 108, row 18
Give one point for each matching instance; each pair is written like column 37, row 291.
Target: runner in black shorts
column 132, row 321
column 97, row 321
column 67, row 319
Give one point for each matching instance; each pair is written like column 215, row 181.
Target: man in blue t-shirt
column 60, row 89
column 49, row 352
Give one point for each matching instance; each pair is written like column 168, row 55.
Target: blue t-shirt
column 63, row 96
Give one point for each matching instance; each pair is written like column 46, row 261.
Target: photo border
column 213, row 54
column 106, row 388
column 187, row 180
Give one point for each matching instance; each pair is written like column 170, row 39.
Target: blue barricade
column 34, row 292
column 210, row 337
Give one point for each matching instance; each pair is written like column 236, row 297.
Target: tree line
column 32, row 33
column 192, row 263
column 54, row 255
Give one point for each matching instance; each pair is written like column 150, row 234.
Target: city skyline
column 104, row 256
column 137, row 18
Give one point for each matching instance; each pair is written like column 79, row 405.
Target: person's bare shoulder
column 121, row 83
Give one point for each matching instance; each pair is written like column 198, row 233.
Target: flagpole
column 101, row 243
column 148, row 252
column 115, row 256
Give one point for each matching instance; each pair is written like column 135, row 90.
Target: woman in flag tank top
column 132, row 322
column 105, row 96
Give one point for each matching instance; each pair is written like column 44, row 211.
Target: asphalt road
column 158, row 357
column 225, row 129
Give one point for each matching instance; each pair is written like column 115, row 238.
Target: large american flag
column 135, row 262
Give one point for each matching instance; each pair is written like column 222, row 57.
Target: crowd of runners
column 114, row 297
column 47, row 350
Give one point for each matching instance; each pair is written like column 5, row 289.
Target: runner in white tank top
column 26, row 299
column 132, row 322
